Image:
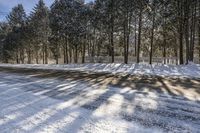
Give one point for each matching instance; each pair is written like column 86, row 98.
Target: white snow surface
column 50, row 105
column 190, row 70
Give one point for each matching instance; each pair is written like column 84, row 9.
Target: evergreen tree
column 4, row 30
column 40, row 24
column 73, row 29
column 16, row 20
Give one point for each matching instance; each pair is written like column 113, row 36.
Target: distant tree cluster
column 72, row 30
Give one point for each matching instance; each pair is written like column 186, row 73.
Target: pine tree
column 127, row 10
column 4, row 30
column 142, row 4
column 72, row 28
column 56, row 25
column 40, row 24
column 16, row 20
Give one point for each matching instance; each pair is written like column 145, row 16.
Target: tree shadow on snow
column 151, row 101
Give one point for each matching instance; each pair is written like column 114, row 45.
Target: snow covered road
column 58, row 101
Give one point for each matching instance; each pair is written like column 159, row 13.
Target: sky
column 7, row 5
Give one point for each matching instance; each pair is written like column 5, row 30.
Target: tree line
column 73, row 29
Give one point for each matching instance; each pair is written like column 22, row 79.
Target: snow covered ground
column 39, row 104
column 191, row 70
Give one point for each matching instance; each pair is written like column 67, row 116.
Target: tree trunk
column 66, row 51
column 180, row 15
column 29, row 55
column 127, row 30
column 112, row 31
column 37, row 58
column 99, row 44
column 64, row 54
column 181, row 46
column 112, row 45
column 193, row 32
column 22, row 56
column 139, row 35
column 43, row 54
column 135, row 36
column 17, row 56
column 70, row 55
column 76, row 54
column 125, row 36
column 176, row 54
column 152, row 37
column 186, row 21
column 56, row 56
column 164, row 47
column 46, row 54
column 83, row 52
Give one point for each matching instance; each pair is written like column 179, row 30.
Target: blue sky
column 7, row 5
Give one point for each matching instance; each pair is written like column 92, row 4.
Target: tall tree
column 4, row 30
column 179, row 5
column 142, row 6
column 153, row 7
column 40, row 23
column 16, row 20
column 127, row 8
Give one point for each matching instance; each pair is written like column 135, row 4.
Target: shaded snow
column 191, row 70
column 50, row 105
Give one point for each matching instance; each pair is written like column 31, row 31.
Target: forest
column 73, row 31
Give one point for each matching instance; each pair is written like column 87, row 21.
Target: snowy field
column 191, row 70
column 34, row 103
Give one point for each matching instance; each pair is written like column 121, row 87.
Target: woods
column 69, row 31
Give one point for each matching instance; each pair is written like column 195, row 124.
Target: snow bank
column 190, row 70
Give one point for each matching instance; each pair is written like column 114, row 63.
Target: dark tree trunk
column 125, row 36
column 66, row 51
column 193, row 32
column 164, row 47
column 46, row 54
column 181, row 46
column 17, row 58
column 139, row 35
column 152, row 37
column 135, row 36
column 180, row 19
column 56, row 56
column 112, row 45
column 64, row 54
column 29, row 55
column 70, row 55
column 43, row 54
column 112, row 32
column 76, row 54
column 186, row 21
column 83, row 52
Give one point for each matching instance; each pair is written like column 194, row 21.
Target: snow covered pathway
column 35, row 101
